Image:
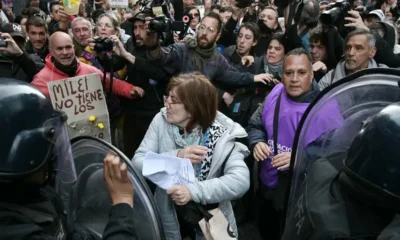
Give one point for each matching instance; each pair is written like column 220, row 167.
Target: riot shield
column 348, row 103
column 87, row 200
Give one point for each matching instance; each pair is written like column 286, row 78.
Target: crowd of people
column 214, row 92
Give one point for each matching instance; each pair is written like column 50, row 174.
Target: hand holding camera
column 119, row 49
column 355, row 20
column 7, row 44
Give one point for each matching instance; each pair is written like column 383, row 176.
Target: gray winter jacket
column 339, row 73
column 216, row 189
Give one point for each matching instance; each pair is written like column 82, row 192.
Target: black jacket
column 29, row 49
column 148, row 76
column 384, row 48
column 228, row 34
column 21, row 68
column 51, row 26
column 16, row 224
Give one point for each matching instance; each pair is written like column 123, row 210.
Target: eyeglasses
column 203, row 28
column 103, row 25
column 194, row 15
column 168, row 103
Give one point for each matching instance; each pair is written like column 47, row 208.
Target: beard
column 206, row 45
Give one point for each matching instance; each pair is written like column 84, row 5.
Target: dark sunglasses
column 194, row 15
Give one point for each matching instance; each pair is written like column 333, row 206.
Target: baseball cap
column 377, row 12
column 15, row 30
column 140, row 16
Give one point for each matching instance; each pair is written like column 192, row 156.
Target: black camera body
column 160, row 24
column 335, row 13
column 103, row 45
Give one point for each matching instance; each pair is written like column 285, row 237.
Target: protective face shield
column 349, row 103
column 88, row 202
column 48, row 144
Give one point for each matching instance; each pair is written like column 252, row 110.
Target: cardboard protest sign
column 119, row 3
column 82, row 99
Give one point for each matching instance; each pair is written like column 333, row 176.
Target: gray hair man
column 359, row 52
column 82, row 31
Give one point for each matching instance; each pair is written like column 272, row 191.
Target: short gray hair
column 298, row 52
column 370, row 37
column 81, row 19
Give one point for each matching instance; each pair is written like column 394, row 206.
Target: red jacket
column 51, row 73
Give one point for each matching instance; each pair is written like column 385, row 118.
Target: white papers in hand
column 165, row 171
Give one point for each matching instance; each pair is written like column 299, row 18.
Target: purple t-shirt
column 290, row 114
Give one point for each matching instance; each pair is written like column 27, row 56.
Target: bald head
column 62, row 48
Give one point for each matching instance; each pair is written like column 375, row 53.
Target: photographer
column 201, row 54
column 139, row 113
column 106, row 27
column 14, row 63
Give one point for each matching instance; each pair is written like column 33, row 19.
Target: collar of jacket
column 42, row 52
column 50, row 65
column 78, row 48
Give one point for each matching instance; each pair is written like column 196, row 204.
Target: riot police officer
column 353, row 194
column 35, row 154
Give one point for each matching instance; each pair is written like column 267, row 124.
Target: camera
column 160, row 24
column 2, row 42
column 103, row 45
column 335, row 13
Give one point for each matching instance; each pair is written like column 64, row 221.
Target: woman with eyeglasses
column 106, row 27
column 190, row 127
column 194, row 16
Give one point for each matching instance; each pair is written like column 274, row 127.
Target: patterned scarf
column 209, row 140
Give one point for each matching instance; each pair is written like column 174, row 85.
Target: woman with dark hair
column 272, row 61
column 194, row 15
column 191, row 127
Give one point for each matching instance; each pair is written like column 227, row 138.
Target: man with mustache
column 359, row 52
column 139, row 113
column 200, row 54
column 37, row 45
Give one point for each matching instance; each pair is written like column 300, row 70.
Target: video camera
column 335, row 13
column 161, row 22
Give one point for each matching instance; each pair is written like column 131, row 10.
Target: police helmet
column 374, row 155
column 32, row 133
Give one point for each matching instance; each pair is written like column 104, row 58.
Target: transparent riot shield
column 87, row 199
column 347, row 103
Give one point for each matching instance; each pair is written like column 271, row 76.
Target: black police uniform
column 34, row 139
column 353, row 194
column 42, row 216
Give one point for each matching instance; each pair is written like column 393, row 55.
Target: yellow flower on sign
column 100, row 125
column 92, row 118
